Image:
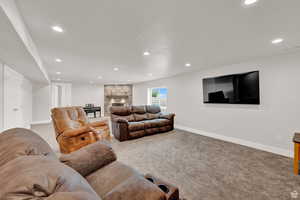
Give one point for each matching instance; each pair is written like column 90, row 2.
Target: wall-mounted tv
column 240, row 88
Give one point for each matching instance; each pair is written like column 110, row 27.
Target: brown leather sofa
column 73, row 130
column 131, row 122
column 29, row 169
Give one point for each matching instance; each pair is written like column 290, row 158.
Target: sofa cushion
column 120, row 110
column 153, row 115
column 135, row 188
column 89, row 159
column 151, row 131
column 136, row 126
column 20, row 142
column 139, row 113
column 138, row 109
column 70, row 196
column 39, row 177
column 140, row 117
column 68, row 118
column 137, row 134
column 165, row 128
column 153, row 109
column 129, row 118
column 156, row 123
column 107, row 178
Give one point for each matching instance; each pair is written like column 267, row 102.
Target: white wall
column 268, row 126
column 63, row 97
column 17, row 101
column 41, row 103
column 27, row 102
column 87, row 93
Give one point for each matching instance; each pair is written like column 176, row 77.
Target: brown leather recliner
column 73, row 130
column 131, row 122
column 29, row 169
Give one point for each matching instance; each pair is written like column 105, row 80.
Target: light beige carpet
column 209, row 169
column 205, row 168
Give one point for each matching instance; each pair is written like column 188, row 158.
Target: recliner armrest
column 135, row 187
column 167, row 115
column 98, row 123
column 89, row 158
column 77, row 131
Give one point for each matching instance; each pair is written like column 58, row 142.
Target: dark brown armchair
column 73, row 130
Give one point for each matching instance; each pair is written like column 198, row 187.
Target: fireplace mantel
column 118, row 94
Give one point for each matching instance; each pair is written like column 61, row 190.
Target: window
column 158, row 96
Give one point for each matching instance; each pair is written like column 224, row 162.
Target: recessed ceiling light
column 146, row 53
column 277, row 41
column 188, row 64
column 150, row 74
column 58, row 79
column 116, row 69
column 100, row 77
column 58, row 73
column 58, row 60
column 249, row 2
column 58, row 29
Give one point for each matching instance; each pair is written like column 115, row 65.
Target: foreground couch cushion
column 135, row 188
column 104, row 180
column 38, row 177
column 90, row 158
column 119, row 181
column 20, row 142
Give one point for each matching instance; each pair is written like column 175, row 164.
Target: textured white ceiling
column 14, row 53
column 103, row 34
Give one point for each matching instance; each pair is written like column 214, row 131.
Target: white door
column 13, row 116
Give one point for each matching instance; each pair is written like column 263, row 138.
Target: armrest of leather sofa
column 98, row 123
column 77, row 131
column 167, row 115
column 120, row 129
column 135, row 187
column 78, row 195
column 89, row 158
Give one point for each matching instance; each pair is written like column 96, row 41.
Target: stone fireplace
column 117, row 95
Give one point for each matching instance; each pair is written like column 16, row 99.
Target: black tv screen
column 232, row 89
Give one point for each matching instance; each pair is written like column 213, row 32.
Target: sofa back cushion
column 68, row 118
column 153, row 111
column 123, row 112
column 139, row 113
column 38, row 177
column 21, row 142
column 153, row 116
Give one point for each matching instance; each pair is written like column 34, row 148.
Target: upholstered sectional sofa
column 29, row 169
column 130, row 122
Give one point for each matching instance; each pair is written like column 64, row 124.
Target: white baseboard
column 41, row 122
column 262, row 147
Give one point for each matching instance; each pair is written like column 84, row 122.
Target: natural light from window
column 158, row 96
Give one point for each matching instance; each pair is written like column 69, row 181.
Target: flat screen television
column 240, row 88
